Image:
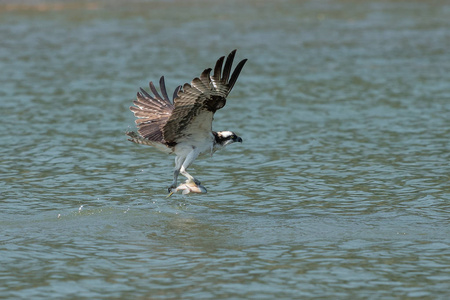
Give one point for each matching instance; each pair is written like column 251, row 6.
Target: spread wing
column 196, row 103
column 152, row 112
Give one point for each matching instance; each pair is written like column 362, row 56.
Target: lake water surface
column 340, row 189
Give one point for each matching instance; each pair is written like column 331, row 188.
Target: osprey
column 183, row 126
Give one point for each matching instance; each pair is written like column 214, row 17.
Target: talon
column 171, row 188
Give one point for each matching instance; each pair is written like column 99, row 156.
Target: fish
column 188, row 187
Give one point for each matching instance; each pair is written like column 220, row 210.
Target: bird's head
column 224, row 138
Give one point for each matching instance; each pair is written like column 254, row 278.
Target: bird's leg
column 187, row 162
column 174, row 182
column 189, row 177
column 178, row 163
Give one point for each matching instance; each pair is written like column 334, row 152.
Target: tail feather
column 135, row 138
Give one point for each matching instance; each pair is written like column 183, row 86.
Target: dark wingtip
column 206, row 72
column 218, row 69
column 143, row 93
column 236, row 73
column 131, row 134
column 162, row 86
column 175, row 93
column 227, row 67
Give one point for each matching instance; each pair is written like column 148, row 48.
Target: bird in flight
column 183, row 126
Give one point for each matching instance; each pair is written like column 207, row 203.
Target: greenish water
column 340, row 190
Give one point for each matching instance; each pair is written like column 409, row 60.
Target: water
column 340, row 189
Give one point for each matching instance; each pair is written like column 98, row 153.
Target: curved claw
column 197, row 182
column 171, row 188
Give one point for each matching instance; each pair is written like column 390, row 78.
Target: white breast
column 198, row 135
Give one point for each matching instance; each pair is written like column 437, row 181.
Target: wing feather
column 205, row 78
column 236, row 73
column 227, row 67
column 162, row 86
column 175, row 93
column 217, row 71
column 199, row 85
column 144, row 94
column 157, row 95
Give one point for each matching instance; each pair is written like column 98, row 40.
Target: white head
column 224, row 138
